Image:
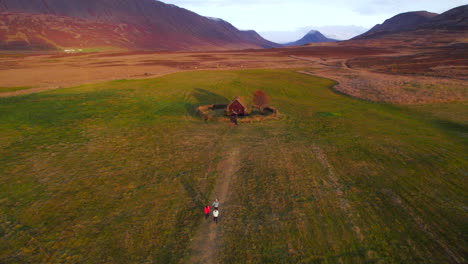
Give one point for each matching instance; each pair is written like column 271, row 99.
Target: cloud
column 282, row 15
column 376, row 7
column 394, row 7
column 220, row 3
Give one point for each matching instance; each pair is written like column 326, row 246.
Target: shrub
column 261, row 99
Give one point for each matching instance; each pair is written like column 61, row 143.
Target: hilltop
column 312, row 36
column 401, row 22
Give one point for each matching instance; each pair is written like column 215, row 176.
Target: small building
column 238, row 106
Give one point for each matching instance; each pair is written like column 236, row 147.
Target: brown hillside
column 136, row 25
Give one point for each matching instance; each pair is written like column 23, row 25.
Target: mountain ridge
column 453, row 19
column 152, row 25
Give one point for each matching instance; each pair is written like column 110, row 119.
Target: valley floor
column 396, row 76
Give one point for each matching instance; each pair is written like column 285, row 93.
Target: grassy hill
column 118, row 172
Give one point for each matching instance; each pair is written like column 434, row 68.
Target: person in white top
column 216, row 204
column 215, row 215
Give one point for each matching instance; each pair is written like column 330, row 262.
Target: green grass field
column 117, row 172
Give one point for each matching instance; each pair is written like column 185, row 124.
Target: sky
column 293, row 15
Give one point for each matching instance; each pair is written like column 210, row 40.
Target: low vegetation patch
column 218, row 113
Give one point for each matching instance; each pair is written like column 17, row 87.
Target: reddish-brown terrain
column 427, row 45
column 417, row 65
column 449, row 61
column 113, row 24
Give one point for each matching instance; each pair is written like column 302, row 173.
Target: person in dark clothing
column 231, row 118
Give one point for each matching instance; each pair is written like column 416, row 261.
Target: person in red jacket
column 207, row 211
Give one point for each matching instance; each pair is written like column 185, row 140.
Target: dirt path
column 27, row 91
column 205, row 245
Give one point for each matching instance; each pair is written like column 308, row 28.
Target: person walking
column 216, row 204
column 207, row 211
column 215, row 215
column 233, row 120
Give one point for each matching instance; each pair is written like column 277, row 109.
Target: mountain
column 313, row 36
column 454, row 19
column 126, row 24
column 398, row 23
column 338, row 32
column 341, row 32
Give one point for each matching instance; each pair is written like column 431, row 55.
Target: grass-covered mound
column 118, row 172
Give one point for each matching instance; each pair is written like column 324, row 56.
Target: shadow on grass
column 451, row 126
column 193, row 190
column 204, row 97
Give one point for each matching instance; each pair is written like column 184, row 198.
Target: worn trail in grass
column 119, row 172
column 206, row 243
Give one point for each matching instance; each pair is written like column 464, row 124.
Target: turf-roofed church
column 238, row 106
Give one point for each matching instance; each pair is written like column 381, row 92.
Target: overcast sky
column 289, row 15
